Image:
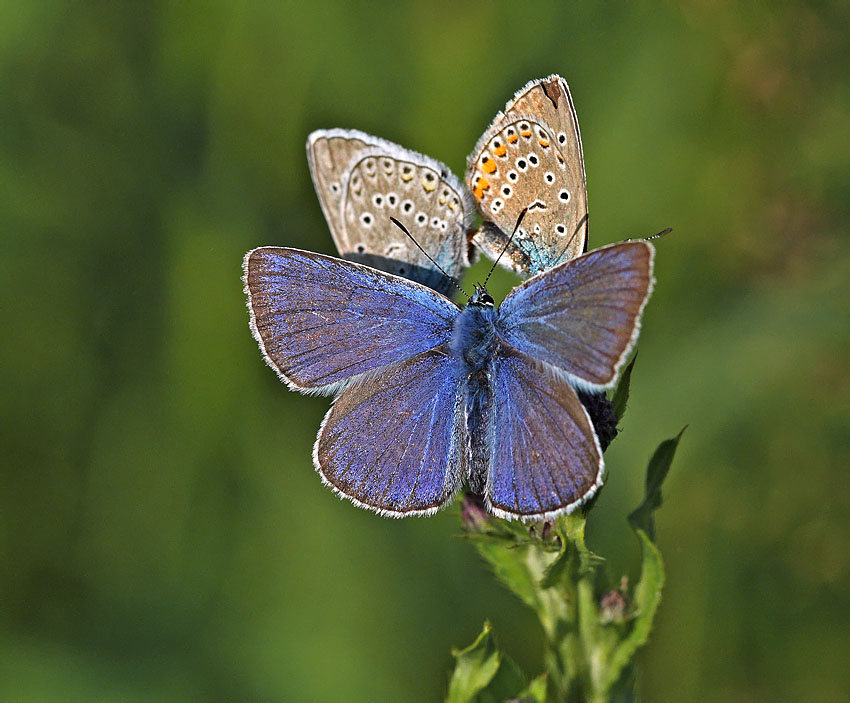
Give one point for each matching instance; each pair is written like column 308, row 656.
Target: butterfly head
column 481, row 298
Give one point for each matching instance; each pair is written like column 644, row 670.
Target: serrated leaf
column 511, row 568
column 620, row 399
column 476, row 667
column 570, row 529
column 647, row 597
column 535, row 692
column 647, row 592
column 507, row 684
column 483, row 674
column 641, row 518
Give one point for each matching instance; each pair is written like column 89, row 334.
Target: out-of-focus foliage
column 162, row 533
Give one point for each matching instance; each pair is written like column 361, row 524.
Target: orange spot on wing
column 544, row 143
column 512, row 138
column 500, row 150
column 481, row 185
column 525, row 134
column 488, row 167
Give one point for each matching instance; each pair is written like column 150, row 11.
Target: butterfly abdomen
column 474, row 343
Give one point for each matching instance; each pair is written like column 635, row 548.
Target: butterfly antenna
column 660, row 234
column 654, row 236
column 507, row 244
column 428, row 256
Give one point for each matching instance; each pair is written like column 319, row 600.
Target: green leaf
column 483, row 674
column 507, row 684
column 511, row 567
column 535, row 692
column 517, row 558
column 647, row 592
column 620, row 399
column 647, row 597
column 641, row 518
column 570, row 528
column 476, row 667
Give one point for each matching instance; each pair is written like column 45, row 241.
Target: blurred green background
column 163, row 535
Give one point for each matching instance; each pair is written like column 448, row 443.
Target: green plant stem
column 591, row 635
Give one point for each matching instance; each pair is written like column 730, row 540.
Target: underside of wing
column 545, row 458
column 329, row 153
column 583, row 316
column 396, row 442
column 363, row 180
column 531, row 156
column 320, row 321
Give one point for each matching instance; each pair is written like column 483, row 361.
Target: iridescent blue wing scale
column 545, row 458
column 320, row 321
column 396, row 443
column 582, row 316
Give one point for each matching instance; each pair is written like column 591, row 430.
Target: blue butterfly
column 429, row 394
